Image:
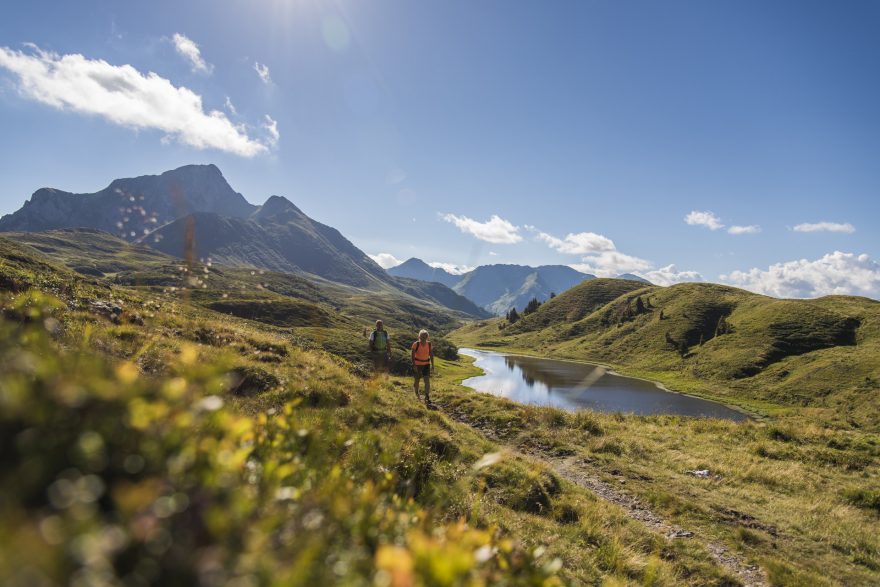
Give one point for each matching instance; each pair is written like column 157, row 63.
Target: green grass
column 796, row 491
column 174, row 444
column 793, row 495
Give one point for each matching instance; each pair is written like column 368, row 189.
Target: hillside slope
column 280, row 299
column 718, row 341
column 278, row 237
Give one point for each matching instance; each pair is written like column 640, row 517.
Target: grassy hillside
column 328, row 315
column 796, row 489
column 150, row 439
column 759, row 352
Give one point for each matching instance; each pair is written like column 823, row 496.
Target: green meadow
column 174, row 423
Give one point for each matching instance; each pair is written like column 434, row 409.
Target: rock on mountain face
column 277, row 236
column 497, row 288
column 131, row 207
column 417, row 269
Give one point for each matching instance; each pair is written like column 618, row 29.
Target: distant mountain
column 417, row 269
column 497, row 288
column 632, row 277
column 131, row 207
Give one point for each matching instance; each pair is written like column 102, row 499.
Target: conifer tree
column 533, row 305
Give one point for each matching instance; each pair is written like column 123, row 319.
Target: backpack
column 379, row 338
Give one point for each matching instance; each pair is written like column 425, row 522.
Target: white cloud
column 495, row 230
column 750, row 229
column 271, row 127
column 601, row 258
column 493, row 254
column 707, row 219
column 845, row 227
column 188, row 49
column 385, row 260
column 611, row 264
column 125, row 96
column 230, row 107
column 263, row 72
column 451, row 267
column 581, row 243
column 669, row 275
column 835, row 273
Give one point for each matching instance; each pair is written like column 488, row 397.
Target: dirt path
column 584, row 475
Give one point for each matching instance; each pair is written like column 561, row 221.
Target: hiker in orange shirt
column 423, row 365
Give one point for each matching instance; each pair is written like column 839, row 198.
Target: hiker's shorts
column 420, row 371
column 380, row 360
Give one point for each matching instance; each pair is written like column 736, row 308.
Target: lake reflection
column 576, row 386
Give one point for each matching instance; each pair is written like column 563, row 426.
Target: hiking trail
column 584, row 475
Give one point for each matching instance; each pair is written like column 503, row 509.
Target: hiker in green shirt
column 380, row 347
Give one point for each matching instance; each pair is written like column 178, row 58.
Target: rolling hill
column 331, row 314
column 715, row 340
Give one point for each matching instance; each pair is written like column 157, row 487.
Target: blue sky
column 409, row 126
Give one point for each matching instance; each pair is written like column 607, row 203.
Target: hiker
column 380, row 348
column 423, row 365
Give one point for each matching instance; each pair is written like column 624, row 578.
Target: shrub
column 248, row 381
column 863, row 498
column 522, row 489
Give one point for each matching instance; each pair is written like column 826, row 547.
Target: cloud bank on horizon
column 124, row 96
column 836, row 273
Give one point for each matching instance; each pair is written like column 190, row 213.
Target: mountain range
column 498, row 288
column 193, row 213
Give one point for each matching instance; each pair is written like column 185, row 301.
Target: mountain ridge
column 131, row 207
column 415, row 268
column 193, row 213
column 499, row 287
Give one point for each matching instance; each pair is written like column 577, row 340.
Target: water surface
column 576, row 386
